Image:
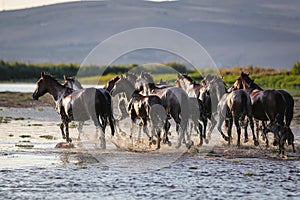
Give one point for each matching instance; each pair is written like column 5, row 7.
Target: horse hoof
column 169, row 143
column 246, row 140
column 206, row 141
column 275, row 143
column 226, row 138
column 256, row 143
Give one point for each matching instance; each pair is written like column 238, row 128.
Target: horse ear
column 43, row 74
column 65, row 78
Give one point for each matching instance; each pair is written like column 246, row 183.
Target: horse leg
column 80, row 127
column 62, row 130
column 68, row 139
column 99, row 127
column 212, row 126
column 265, row 133
column 229, row 129
column 145, row 130
column 112, row 124
column 167, row 126
column 244, row 124
column 104, row 122
column 238, row 128
column 204, row 130
column 257, row 128
column 201, row 134
column 252, row 129
column 158, row 130
column 219, row 127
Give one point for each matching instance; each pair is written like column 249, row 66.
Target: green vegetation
column 29, row 72
column 265, row 77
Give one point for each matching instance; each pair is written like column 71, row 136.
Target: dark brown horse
column 176, row 102
column 149, row 109
column 234, row 107
column 289, row 112
column 267, row 105
column 79, row 105
column 73, row 83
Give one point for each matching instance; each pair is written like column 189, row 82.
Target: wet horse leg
column 238, row 128
column 256, row 143
column 145, row 129
column 95, row 118
column 62, row 130
column 219, row 127
column 167, row 126
column 80, row 127
column 244, row 124
column 213, row 123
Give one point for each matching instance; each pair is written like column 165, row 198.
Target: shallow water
column 43, row 171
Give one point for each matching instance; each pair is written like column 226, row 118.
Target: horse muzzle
column 35, row 96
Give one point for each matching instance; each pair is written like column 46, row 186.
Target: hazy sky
column 20, row 4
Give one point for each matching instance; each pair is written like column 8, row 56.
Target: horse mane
column 189, row 78
column 250, row 81
column 48, row 75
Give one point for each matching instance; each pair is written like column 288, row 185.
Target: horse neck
column 128, row 89
column 77, row 86
column 57, row 90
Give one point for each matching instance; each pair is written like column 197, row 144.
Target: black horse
column 80, row 105
column 234, row 107
column 149, row 109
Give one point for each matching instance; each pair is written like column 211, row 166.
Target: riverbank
column 23, row 100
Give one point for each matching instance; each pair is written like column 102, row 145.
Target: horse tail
column 289, row 112
column 281, row 108
column 112, row 124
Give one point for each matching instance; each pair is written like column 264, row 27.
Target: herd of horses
column 192, row 106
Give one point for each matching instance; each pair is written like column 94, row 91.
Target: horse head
column 123, row 85
column 131, row 77
column 41, row 86
column 111, row 84
column 73, row 83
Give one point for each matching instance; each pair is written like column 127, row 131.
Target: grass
column 26, row 146
column 35, row 124
column 19, row 118
column 249, row 174
column 25, row 136
column 48, row 137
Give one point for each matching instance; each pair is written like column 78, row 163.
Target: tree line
column 29, row 72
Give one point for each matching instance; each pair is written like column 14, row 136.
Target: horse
column 233, row 107
column 79, row 105
column 196, row 106
column 188, row 84
column 123, row 85
column 267, row 105
column 148, row 108
column 289, row 112
column 176, row 102
column 73, row 83
column 211, row 94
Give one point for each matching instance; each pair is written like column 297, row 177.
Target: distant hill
column 233, row 32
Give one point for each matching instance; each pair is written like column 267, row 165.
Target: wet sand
column 31, row 166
